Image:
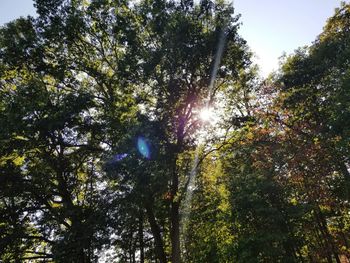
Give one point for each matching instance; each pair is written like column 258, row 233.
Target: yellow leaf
column 250, row 135
column 19, row 160
column 294, row 201
column 18, row 137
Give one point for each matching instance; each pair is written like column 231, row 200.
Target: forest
column 141, row 131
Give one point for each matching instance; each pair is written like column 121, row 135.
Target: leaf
column 18, row 137
column 19, row 160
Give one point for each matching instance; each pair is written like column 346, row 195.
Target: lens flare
column 143, row 147
column 119, row 157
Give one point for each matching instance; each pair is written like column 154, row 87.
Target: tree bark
column 323, row 227
column 175, row 217
column 141, row 243
column 175, row 233
column 159, row 246
column 343, row 169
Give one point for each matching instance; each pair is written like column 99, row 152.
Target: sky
column 270, row 27
column 12, row 9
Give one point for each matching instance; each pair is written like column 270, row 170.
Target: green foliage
column 85, row 79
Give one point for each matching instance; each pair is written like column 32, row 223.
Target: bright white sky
column 270, row 27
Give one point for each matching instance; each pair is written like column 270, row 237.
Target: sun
column 206, row 114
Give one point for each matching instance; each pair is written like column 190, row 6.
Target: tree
column 81, row 83
column 103, row 150
column 181, row 58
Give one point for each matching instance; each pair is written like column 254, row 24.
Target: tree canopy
column 140, row 131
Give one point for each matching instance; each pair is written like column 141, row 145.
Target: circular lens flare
column 143, row 147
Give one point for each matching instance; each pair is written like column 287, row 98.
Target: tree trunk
column 175, row 217
column 323, row 227
column 141, row 243
column 344, row 171
column 175, row 233
column 159, row 247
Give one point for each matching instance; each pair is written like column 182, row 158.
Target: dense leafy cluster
column 104, row 156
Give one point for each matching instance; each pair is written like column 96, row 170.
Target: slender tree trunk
column 323, row 227
column 175, row 233
column 344, row 170
column 159, row 247
column 321, row 242
column 141, row 243
column 175, row 216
